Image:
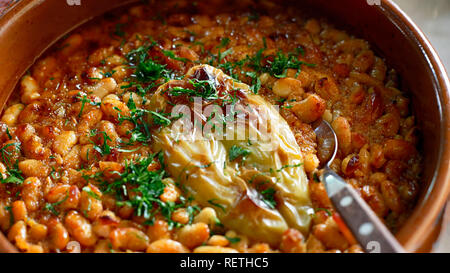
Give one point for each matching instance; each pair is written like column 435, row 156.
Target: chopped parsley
column 233, row 240
column 149, row 70
column 146, row 69
column 236, row 152
column 14, row 175
column 316, row 178
column 160, row 119
column 52, row 207
column 269, row 197
column 91, row 193
column 149, row 186
column 140, row 189
column 224, row 42
column 11, row 215
column 217, row 222
column 289, row 166
column 104, row 149
column 164, row 119
column 323, row 209
column 8, row 133
column 281, row 63
column 171, row 54
column 214, row 203
column 256, row 82
column 276, row 65
column 141, row 131
column 205, row 89
column 108, row 74
column 84, row 99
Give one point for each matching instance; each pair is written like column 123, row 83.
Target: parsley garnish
column 323, row 209
column 289, row 166
column 256, row 82
column 233, row 240
column 108, row 74
column 8, row 133
column 148, row 71
column 282, row 63
column 224, row 42
column 104, row 149
column 91, row 193
column 204, row 89
column 141, row 131
column 214, row 203
column 52, row 207
column 171, row 54
column 276, row 65
column 268, row 197
column 140, row 188
column 236, row 152
column 84, row 99
column 316, row 178
column 11, row 215
column 14, row 175
column 161, row 119
column 148, row 185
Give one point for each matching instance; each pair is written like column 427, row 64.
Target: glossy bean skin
column 58, row 235
column 193, row 235
column 29, row 88
column 80, row 228
column 159, row 230
column 91, row 202
column 33, row 168
column 19, row 211
column 68, row 196
column 343, row 131
column 64, row 142
column 31, row 143
column 214, row 249
column 12, row 113
column 309, row 109
column 31, row 193
column 129, row 238
column 166, row 246
column 284, row 87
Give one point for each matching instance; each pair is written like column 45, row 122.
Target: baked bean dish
column 187, row 127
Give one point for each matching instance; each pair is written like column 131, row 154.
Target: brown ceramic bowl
column 31, row 26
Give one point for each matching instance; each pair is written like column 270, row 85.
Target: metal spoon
column 365, row 225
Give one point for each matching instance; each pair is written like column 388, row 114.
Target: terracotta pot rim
column 420, row 224
column 425, row 215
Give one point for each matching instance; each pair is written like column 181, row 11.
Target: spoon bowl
column 326, row 141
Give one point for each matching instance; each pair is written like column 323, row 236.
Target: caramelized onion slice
column 261, row 192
